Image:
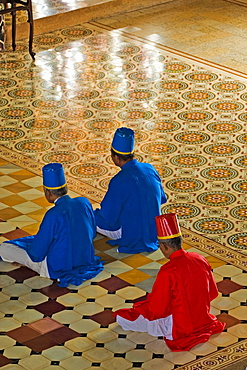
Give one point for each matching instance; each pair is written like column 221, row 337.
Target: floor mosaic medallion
column 189, row 118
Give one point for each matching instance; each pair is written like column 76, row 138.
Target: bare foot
column 16, row 264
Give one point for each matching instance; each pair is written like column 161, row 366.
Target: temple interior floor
column 176, row 74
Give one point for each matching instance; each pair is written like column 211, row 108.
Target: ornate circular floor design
column 108, row 104
column 144, row 76
column 176, row 67
column 195, row 116
column 163, row 171
column 10, row 133
column 188, row 160
column 61, row 157
column 160, row 148
column 184, row 185
column 226, row 106
column 11, row 65
column 224, row 127
column 69, row 135
column 6, row 83
column 239, row 212
column 33, row 146
column 213, row 225
column 16, row 113
column 216, row 198
column 242, row 139
column 140, row 95
column 49, row 103
column 135, row 114
column 163, row 125
column 94, row 146
column 168, row 105
column 240, row 186
column 219, row 173
column 41, row 124
column 201, row 76
column 170, row 85
column 192, row 137
column 241, row 161
column 76, row 32
column 23, row 93
column 229, row 86
column 238, row 241
column 183, row 210
column 198, row 96
column 75, row 114
column 88, row 170
column 221, row 149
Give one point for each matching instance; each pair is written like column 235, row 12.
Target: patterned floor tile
column 50, row 307
column 23, row 334
column 4, row 360
column 53, row 291
column 228, row 320
column 14, row 234
column 21, row 274
column 227, row 286
column 112, row 284
column 45, row 325
column 193, row 147
column 104, row 318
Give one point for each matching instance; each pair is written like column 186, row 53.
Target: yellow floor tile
column 133, row 276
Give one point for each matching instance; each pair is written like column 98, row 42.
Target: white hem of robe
column 157, row 328
column 12, row 253
column 116, row 234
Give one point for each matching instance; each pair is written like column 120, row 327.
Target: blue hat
column 53, row 176
column 123, row 141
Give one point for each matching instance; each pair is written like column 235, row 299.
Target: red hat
column 167, row 226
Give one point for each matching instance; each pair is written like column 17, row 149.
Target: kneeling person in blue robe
column 63, row 247
column 133, row 200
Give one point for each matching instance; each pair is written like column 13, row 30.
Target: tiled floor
column 190, row 121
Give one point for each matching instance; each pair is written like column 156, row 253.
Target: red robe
column 183, row 288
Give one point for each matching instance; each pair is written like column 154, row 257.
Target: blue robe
column 65, row 237
column 133, row 199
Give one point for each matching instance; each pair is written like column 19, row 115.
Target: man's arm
column 108, row 215
column 158, row 303
column 39, row 246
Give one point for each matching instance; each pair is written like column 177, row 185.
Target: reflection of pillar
column 2, row 36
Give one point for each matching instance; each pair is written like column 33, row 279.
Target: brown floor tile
column 53, row 291
column 104, row 318
column 17, row 187
column 22, row 273
column 45, row 325
column 140, row 299
column 101, row 244
column 228, row 320
column 50, row 307
column 9, row 212
column 13, row 200
column 40, row 343
column 22, row 175
column 4, row 361
column 227, row 286
column 17, row 233
column 112, row 284
column 105, row 257
column 23, row 334
column 62, row 335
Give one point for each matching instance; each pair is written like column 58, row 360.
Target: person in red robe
column 178, row 306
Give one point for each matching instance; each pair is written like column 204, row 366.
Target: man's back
column 133, row 199
column 65, row 236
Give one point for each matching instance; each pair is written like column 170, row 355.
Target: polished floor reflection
column 189, row 117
